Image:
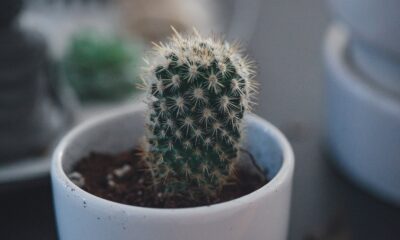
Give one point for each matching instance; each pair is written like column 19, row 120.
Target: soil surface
column 122, row 178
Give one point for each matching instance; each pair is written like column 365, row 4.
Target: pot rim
column 283, row 175
column 335, row 51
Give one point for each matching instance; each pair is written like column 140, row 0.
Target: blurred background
column 329, row 74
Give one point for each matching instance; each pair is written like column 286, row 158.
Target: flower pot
column 363, row 122
column 376, row 21
column 263, row 214
column 381, row 68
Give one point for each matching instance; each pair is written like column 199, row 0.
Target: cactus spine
column 199, row 89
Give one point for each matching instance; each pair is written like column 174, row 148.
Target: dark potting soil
column 122, row 178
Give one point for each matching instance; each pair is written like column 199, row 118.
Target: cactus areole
column 198, row 92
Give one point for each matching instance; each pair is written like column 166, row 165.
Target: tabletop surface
column 325, row 205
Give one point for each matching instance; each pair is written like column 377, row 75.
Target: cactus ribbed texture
column 199, row 89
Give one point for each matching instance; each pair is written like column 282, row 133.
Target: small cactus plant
column 99, row 67
column 198, row 91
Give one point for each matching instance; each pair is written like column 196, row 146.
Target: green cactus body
column 199, row 89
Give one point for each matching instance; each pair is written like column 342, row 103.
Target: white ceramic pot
column 263, row 214
column 363, row 122
column 382, row 69
column 376, row 21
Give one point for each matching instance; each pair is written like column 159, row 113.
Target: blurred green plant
column 101, row 68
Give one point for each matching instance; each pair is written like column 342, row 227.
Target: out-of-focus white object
column 376, row 21
column 382, row 68
column 57, row 20
column 363, row 121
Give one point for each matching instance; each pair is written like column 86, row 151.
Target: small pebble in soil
column 77, row 178
column 120, row 172
column 111, row 183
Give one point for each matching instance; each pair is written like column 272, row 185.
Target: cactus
column 100, row 67
column 198, row 91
